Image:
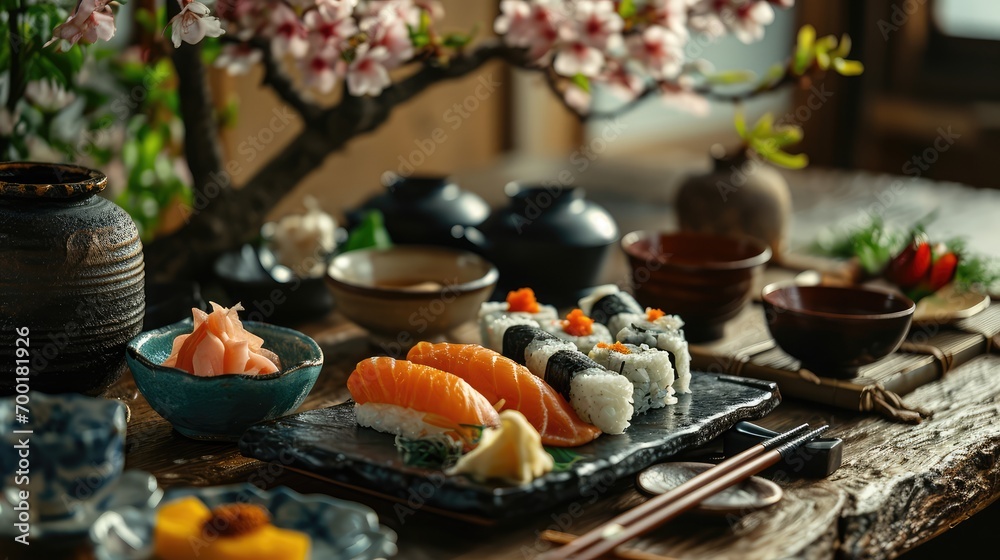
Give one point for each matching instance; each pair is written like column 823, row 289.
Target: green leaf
column 626, row 8
column 804, row 49
column 844, row 48
column 582, row 82
column 787, row 135
column 784, row 159
column 763, row 127
column 457, row 40
column 729, row 77
column 846, row 67
column 739, row 121
column 370, row 232
column 563, row 458
column 774, row 73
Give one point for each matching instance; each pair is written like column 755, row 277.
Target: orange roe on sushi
column 616, row 347
column 653, row 314
column 578, row 324
column 522, row 300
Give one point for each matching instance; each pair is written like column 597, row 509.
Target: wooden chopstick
column 649, row 507
column 663, row 508
column 558, row 537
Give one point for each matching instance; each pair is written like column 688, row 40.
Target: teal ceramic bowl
column 220, row 408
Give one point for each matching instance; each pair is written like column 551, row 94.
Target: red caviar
column 522, row 300
column 653, row 314
column 616, row 347
column 578, row 324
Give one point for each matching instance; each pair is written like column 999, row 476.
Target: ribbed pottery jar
column 71, row 279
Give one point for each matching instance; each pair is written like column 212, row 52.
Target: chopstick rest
column 664, row 507
column 819, row 458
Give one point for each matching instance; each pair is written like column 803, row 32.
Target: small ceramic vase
column 72, row 279
column 740, row 196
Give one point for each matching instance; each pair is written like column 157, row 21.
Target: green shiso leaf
column 563, row 458
column 370, row 232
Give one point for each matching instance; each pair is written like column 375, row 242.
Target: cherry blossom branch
column 786, row 79
column 201, row 144
column 234, row 216
column 276, row 78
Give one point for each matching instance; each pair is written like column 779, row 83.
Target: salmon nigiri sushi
column 414, row 400
column 499, row 378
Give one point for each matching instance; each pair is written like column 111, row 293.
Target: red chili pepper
column 911, row 265
column 942, row 271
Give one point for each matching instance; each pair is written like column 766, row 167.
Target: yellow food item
column 512, row 453
column 186, row 529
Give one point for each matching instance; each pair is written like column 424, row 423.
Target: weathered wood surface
column 899, row 485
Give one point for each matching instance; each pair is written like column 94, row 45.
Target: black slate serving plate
column 328, row 443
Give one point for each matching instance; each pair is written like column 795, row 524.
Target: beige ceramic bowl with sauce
column 410, row 293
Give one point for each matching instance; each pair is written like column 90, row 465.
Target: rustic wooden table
column 899, row 485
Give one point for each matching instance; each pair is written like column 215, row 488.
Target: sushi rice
column 598, row 396
column 628, row 321
column 648, row 369
column 583, row 343
column 395, row 419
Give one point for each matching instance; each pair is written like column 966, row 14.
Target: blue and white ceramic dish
column 132, row 490
column 63, row 454
column 222, row 407
column 338, row 529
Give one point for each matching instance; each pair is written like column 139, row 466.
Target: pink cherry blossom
column 576, row 57
column 367, row 74
column 288, row 35
column 622, row 83
column 577, row 98
column 515, row 23
column 390, row 32
column 671, row 14
column 746, row 19
column 92, row 20
column 238, row 58
column 660, row 51
column 193, row 24
column 598, row 24
column 330, row 25
column 321, row 69
column 548, row 17
column 704, row 18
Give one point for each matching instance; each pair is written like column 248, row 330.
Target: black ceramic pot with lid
column 425, row 210
column 548, row 238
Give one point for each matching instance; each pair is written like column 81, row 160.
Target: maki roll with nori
column 631, row 324
column 648, row 369
column 659, row 330
column 520, row 304
column 600, row 397
column 579, row 329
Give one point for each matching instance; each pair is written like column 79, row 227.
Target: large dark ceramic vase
column 71, row 274
column 740, row 196
column 550, row 239
column 425, row 211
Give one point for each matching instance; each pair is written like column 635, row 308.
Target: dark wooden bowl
column 704, row 278
column 835, row 330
